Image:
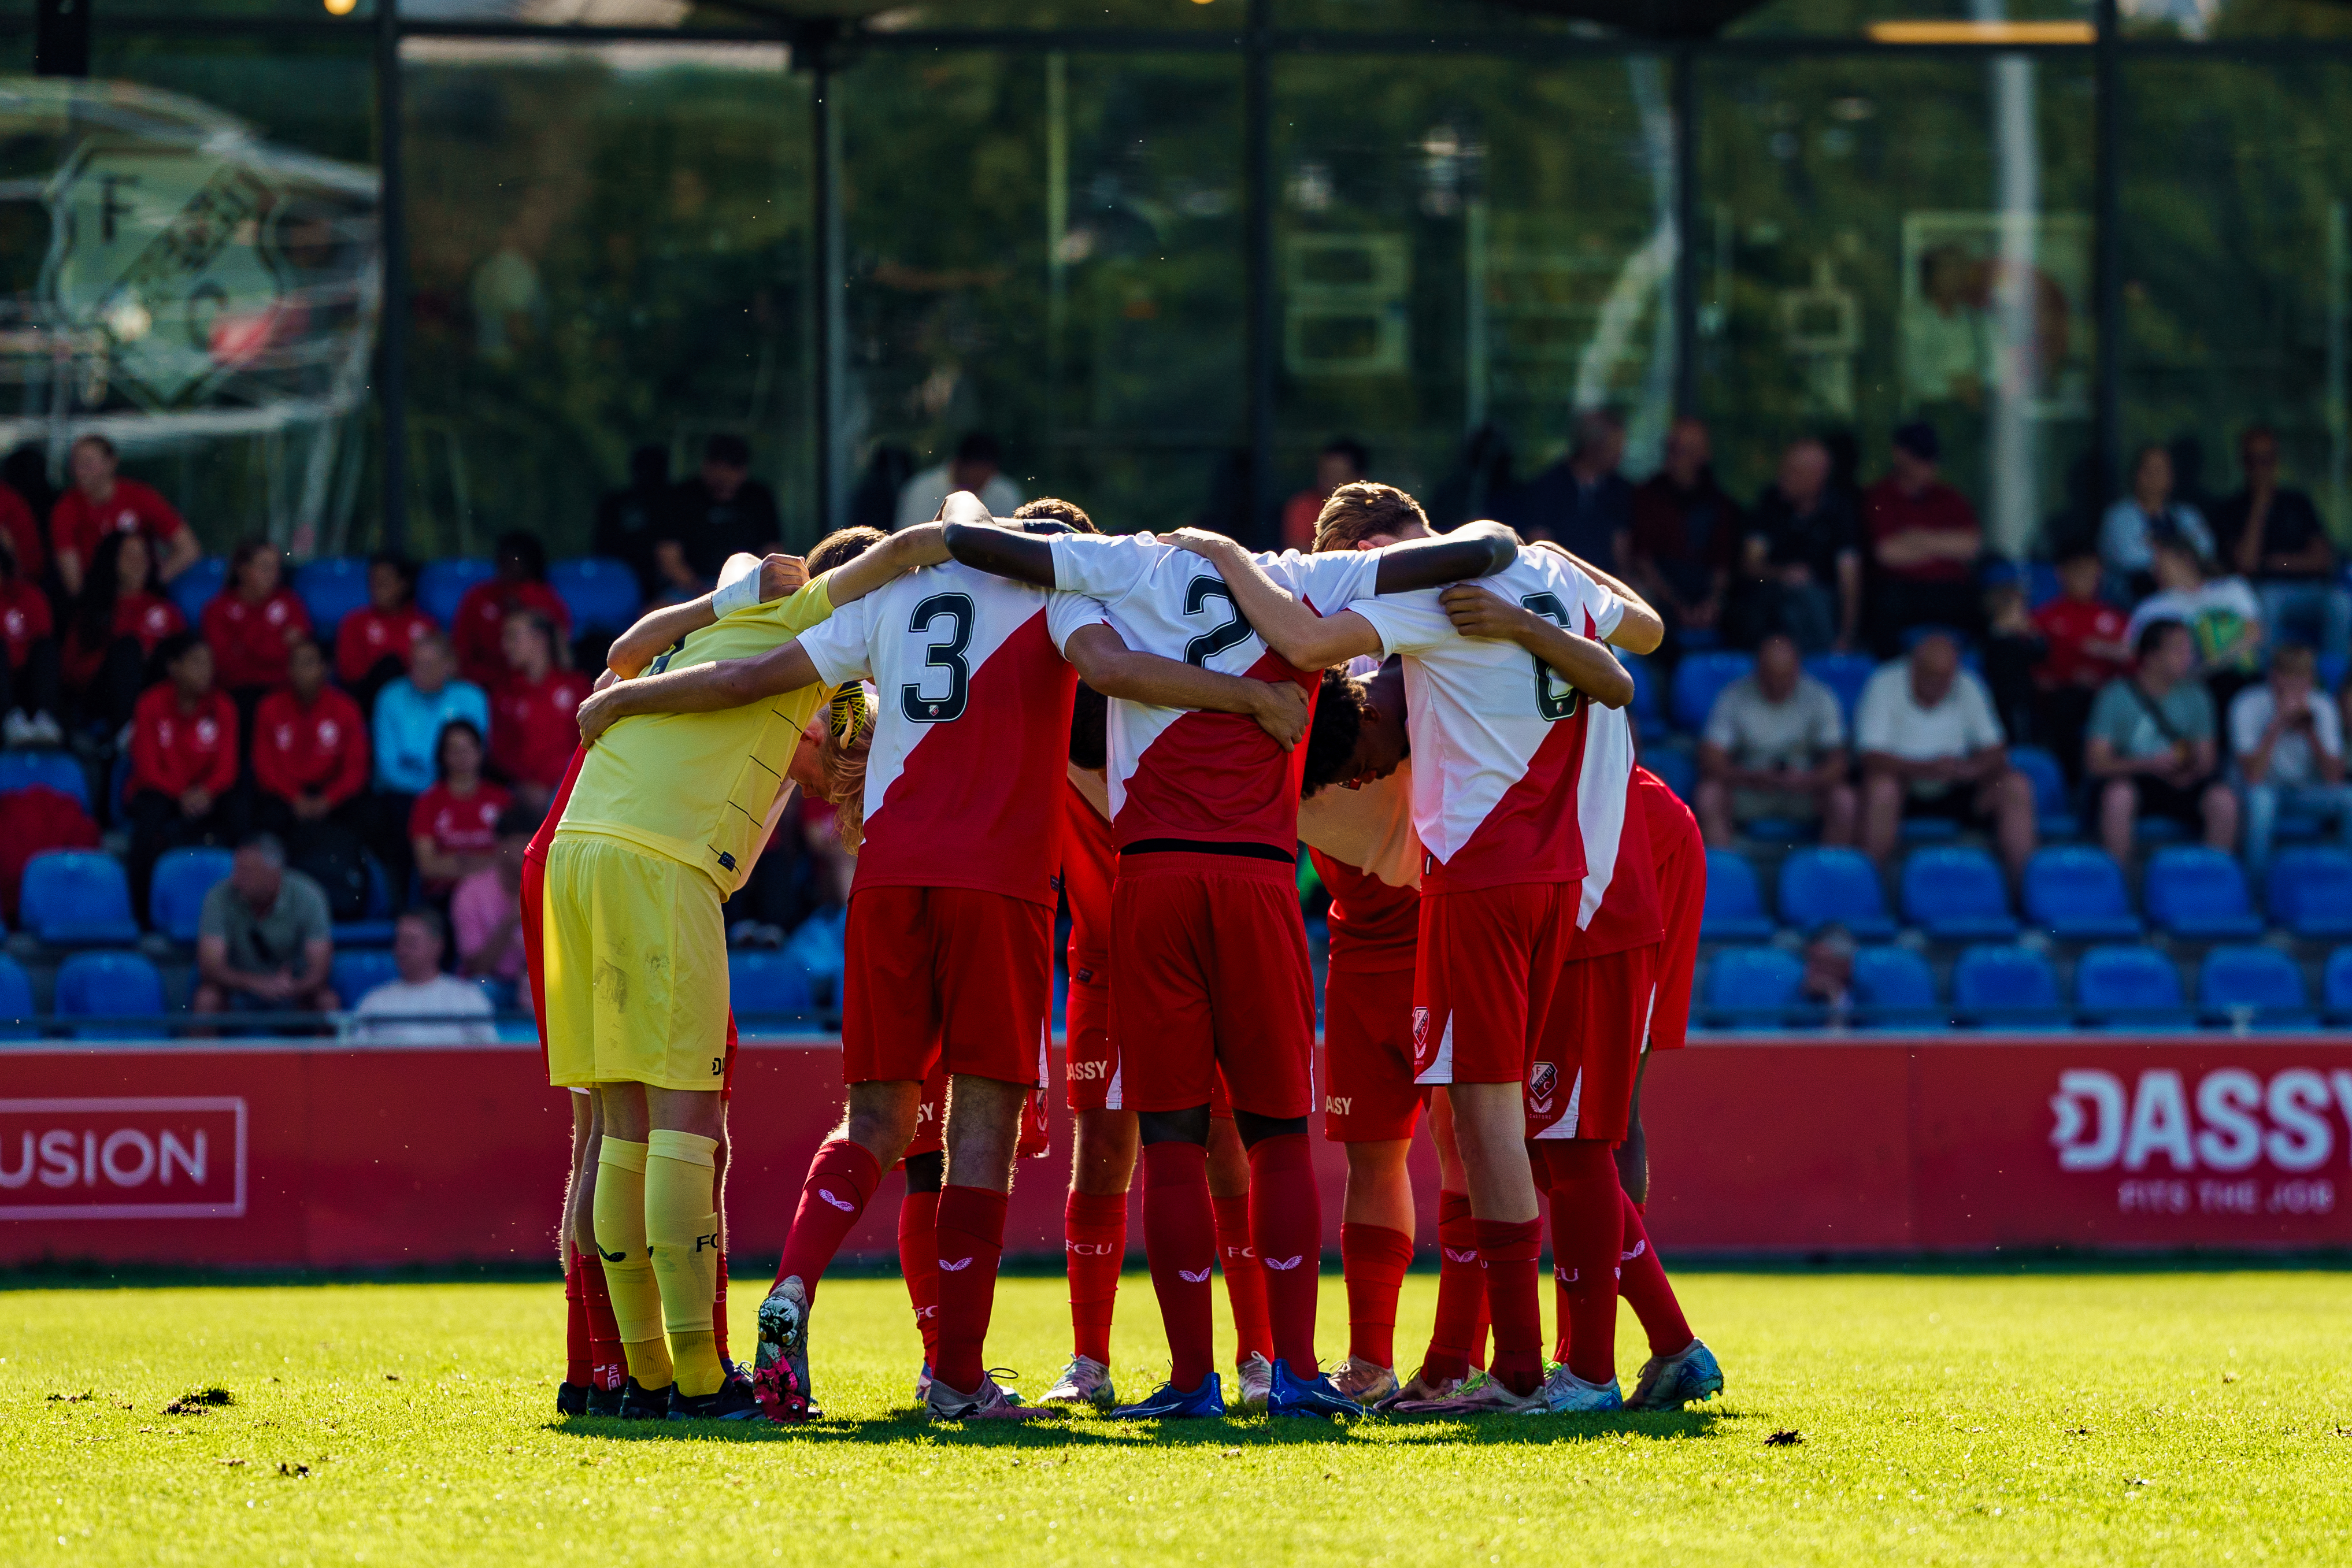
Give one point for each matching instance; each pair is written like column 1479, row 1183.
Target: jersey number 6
column 1555, row 698
column 947, row 655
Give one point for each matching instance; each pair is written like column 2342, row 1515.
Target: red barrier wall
column 332, row 1156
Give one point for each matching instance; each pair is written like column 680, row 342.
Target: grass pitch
column 2198, row 1417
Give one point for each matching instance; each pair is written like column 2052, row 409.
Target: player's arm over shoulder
column 777, row 576
column 884, row 562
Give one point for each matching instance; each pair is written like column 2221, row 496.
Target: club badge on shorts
column 1541, row 1081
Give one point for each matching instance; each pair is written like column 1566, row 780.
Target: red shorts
column 948, row 978
column 1208, row 976
column 1483, row 978
column 1090, row 1057
column 1368, row 1094
column 1581, row 1083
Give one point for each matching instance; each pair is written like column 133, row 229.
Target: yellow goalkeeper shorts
column 636, row 967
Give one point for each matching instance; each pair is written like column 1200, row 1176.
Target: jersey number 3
column 1555, row 698
column 941, row 655
column 1209, row 644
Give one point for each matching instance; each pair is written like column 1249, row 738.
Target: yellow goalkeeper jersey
column 699, row 787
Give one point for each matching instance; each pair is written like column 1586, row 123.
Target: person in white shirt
column 2289, row 746
column 401, row 1011
column 1931, row 747
column 976, row 466
column 2128, row 531
column 2223, row 615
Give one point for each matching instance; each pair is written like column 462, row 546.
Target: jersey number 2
column 1555, row 698
column 947, row 655
column 1209, row 644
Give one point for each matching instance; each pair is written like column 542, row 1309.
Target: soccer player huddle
column 1009, row 709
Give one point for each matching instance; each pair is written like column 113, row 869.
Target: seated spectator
column 400, row 1012
column 2128, row 534
column 100, row 503
column 629, row 520
column 976, row 466
column 2288, row 741
column 264, row 943
column 1684, row 534
column 2083, row 648
column 2273, row 537
column 254, row 623
column 533, row 730
column 23, row 532
column 309, row 757
column 1342, row 461
column 1924, row 541
column 2150, row 751
column 2222, row 615
column 720, row 511
column 29, row 693
column 453, row 827
column 410, row 714
column 487, row 908
column 1828, row 982
column 481, row 622
column 115, row 628
column 1582, row 502
column 184, row 745
column 1801, row 563
column 1931, row 747
column 1774, row 746
column 374, row 644
column 2012, row 651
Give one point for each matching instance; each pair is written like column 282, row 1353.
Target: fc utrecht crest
column 1420, row 1030
column 1541, row 1081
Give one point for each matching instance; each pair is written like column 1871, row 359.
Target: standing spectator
column 2149, row 749
column 1774, row 746
column 102, row 502
column 2274, row 537
column 453, row 827
column 410, row 714
column 408, row 1010
column 1342, row 461
column 629, row 520
column 1581, row 501
column 2013, row 650
column 976, row 466
column 1684, row 534
column 2222, row 616
column 2084, row 646
column 309, row 757
column 253, row 623
column 183, row 783
column 1924, row 541
column 118, row 625
column 264, row 941
column 2128, row 534
column 1802, row 563
column 23, row 532
column 720, row 511
column 479, row 625
column 374, row 644
column 1931, row 747
column 486, row 909
column 2289, row 744
column 28, row 659
column 533, row 730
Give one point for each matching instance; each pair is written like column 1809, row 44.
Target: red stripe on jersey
column 1217, row 777
column 1375, row 928
column 1680, row 856
column 1089, row 863
column 546, row 834
column 1628, row 916
column 1532, row 833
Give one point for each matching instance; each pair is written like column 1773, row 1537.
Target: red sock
column 1094, row 1244
column 840, row 1179
column 1180, row 1242
column 1461, row 1326
column 1286, row 1225
column 919, row 1260
column 1507, row 1252
column 1374, row 1259
column 608, row 1367
column 718, row 1310
column 1587, row 1230
column 1245, row 1278
column 971, row 1244
column 577, row 1362
column 1642, row 1280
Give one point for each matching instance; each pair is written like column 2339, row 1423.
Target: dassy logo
column 2229, row 1120
column 1087, row 1071
column 122, row 1159
column 1336, row 1104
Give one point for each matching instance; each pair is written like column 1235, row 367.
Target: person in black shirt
column 2273, row 537
column 714, row 514
column 1581, row 502
column 1686, row 534
column 630, row 520
column 1802, row 568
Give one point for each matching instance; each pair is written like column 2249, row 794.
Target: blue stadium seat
column 1846, row 675
column 2333, row 667
column 330, row 587
column 1675, row 768
column 1956, row 896
column 1734, row 911
column 2335, row 985
column 766, row 982
column 1897, row 989
column 354, row 975
column 598, row 591
column 2078, row 892
column 1834, row 886
column 498, row 993
column 373, row 927
column 198, row 586
column 176, row 899
column 2158, row 831
column 16, row 1001
column 1648, row 720
column 2310, row 892
column 77, row 898
column 1753, row 988
column 1929, row 830
column 109, row 985
column 444, row 582
column 2041, row 584
column 2053, row 807
column 2005, row 987
column 2128, row 987
column 1699, row 679
column 60, row 770
column 2253, row 985
column 2195, row 892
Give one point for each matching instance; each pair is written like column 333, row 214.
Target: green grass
column 2075, row 1418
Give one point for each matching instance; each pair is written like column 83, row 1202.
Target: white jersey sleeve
column 840, row 645
column 1326, row 581
column 1104, row 566
column 1066, row 613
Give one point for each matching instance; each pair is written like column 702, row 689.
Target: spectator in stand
column 629, row 520
column 2222, row 615
column 1931, row 747
column 2129, row 533
column 115, row 628
column 2274, row 537
column 1581, row 501
column 2289, row 745
column 23, row 532
column 373, row 646
column 2013, row 651
column 310, row 756
column 409, row 1011
column 2149, row 749
column 1684, row 535
column 479, row 627
column 254, row 624
column 102, row 502
column 721, row 510
column 182, row 784
column 453, row 827
column 533, row 730
column 1342, row 461
column 1774, row 746
column 1802, row 562
column 2084, row 646
column 264, row 941
column 1924, row 541
column 976, row 466
column 28, row 659
column 487, row 908
column 410, row 714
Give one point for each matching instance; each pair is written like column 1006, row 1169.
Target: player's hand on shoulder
column 1282, row 712
column 1478, row 611
column 781, row 576
column 1200, row 541
column 596, row 714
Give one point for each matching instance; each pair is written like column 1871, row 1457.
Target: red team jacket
column 248, row 641
column 367, row 634
column 146, row 616
column 533, row 732
column 24, row 619
column 481, row 622
column 321, row 749
column 173, row 751
column 77, row 524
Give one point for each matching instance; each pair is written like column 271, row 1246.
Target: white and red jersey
column 1201, row 777
column 1367, row 853
column 971, row 728
column 1620, row 905
column 1680, row 856
column 1497, row 737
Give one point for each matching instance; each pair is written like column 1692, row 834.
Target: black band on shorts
column 1202, row 847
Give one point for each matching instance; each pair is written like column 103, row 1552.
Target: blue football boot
column 1169, row 1403
column 1670, row 1382
column 1293, row 1396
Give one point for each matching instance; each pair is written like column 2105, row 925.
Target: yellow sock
column 683, row 1232
column 620, row 1215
